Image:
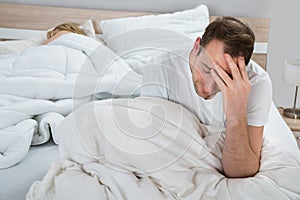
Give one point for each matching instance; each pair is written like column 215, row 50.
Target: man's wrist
column 236, row 120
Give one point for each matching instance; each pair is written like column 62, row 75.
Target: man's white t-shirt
column 169, row 77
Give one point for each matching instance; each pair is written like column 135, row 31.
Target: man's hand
column 235, row 89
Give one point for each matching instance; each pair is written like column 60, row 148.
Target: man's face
column 204, row 84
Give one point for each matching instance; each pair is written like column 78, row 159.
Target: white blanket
column 47, row 127
column 54, row 78
column 148, row 148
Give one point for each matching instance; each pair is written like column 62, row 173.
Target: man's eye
column 206, row 70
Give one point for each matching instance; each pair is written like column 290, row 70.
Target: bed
column 19, row 22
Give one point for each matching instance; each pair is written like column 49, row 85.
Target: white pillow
column 19, row 45
column 88, row 28
column 7, row 47
column 138, row 40
column 99, row 38
column 191, row 23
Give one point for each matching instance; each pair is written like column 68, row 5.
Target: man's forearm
column 238, row 159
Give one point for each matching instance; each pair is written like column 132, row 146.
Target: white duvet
column 150, row 148
column 42, row 84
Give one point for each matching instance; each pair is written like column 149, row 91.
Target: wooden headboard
column 42, row 18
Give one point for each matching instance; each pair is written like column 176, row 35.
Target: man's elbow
column 241, row 171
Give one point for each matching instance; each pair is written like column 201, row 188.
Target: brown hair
column 238, row 37
column 71, row 27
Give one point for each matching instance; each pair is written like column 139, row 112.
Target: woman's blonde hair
column 71, row 27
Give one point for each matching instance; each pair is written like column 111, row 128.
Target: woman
column 63, row 29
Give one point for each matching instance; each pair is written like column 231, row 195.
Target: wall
column 217, row 7
column 284, row 43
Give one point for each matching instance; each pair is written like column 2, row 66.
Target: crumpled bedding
column 47, row 124
column 150, row 148
column 54, row 79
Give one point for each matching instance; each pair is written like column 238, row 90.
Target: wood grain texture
column 43, row 18
column 260, row 59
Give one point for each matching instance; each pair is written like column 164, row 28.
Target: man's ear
column 197, row 45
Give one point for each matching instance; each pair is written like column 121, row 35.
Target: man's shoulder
column 256, row 73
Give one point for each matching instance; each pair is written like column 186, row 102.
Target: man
column 218, row 82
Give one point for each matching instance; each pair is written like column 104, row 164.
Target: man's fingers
column 235, row 71
column 242, row 66
column 222, row 74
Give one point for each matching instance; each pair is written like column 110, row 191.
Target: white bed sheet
column 276, row 127
column 16, row 181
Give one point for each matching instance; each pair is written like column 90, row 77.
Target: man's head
column 237, row 37
column 226, row 35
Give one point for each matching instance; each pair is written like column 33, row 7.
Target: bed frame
column 21, row 18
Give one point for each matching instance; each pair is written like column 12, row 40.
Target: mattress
column 16, row 181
